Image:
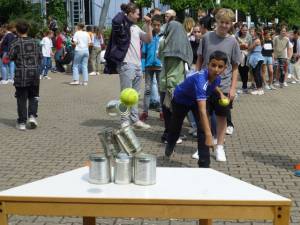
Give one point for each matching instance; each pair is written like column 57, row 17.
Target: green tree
column 260, row 10
column 56, row 8
column 12, row 8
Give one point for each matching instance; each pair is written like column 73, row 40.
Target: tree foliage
column 260, row 10
column 57, row 9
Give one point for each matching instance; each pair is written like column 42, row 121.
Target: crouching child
column 192, row 94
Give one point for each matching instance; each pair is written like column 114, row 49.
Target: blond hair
column 171, row 12
column 225, row 14
column 188, row 24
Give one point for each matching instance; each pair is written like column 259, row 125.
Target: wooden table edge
column 287, row 202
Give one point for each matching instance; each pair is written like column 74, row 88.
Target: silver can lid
column 123, row 157
column 143, row 157
column 98, row 157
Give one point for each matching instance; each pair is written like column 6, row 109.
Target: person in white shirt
column 130, row 71
column 82, row 41
column 47, row 46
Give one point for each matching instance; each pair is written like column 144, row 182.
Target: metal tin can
column 144, row 169
column 128, row 141
column 99, row 172
column 123, row 169
column 115, row 108
column 108, row 141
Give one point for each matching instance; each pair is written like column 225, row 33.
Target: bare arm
column 220, row 93
column 147, row 38
column 204, row 121
column 199, row 63
column 233, row 81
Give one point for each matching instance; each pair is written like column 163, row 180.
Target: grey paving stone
column 262, row 151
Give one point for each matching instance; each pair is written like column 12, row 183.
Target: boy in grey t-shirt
column 220, row 39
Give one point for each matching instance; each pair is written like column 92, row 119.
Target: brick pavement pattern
column 262, row 151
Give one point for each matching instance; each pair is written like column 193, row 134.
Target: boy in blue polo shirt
column 192, row 94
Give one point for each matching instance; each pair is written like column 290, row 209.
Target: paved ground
column 262, row 151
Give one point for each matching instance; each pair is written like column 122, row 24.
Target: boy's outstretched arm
column 204, row 122
column 219, row 92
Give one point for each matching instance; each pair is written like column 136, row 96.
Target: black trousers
column 23, row 95
column 244, row 70
column 257, row 75
column 167, row 116
column 179, row 112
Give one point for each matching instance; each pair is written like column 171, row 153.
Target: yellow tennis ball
column 224, row 101
column 129, row 97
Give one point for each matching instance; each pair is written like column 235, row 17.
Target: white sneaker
column 75, row 82
column 32, row 122
column 272, row 87
column 255, row 92
column 84, row 83
column 277, row 84
column 267, row 87
column 92, row 74
column 141, row 125
column 47, row 78
column 3, row 82
column 229, row 130
column 294, row 82
column 285, row 84
column 195, row 155
column 11, row 81
column 21, row 126
column 260, row 92
column 179, row 141
column 220, row 153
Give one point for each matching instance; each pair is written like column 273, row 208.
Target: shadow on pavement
column 100, row 123
column 8, row 122
column 163, row 162
column 280, row 161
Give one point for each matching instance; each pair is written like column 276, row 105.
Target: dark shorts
column 214, row 106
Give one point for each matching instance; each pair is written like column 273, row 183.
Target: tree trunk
column 104, row 12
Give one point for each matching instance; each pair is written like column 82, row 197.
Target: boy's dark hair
column 22, row 27
column 154, row 9
column 218, row 55
column 129, row 8
column 156, row 18
column 89, row 28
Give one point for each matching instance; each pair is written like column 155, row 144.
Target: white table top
column 172, row 184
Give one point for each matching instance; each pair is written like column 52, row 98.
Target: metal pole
column 44, row 11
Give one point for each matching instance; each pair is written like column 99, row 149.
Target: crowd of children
column 190, row 66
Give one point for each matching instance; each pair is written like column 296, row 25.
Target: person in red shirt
column 59, row 46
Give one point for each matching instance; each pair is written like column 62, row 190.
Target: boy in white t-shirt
column 47, row 46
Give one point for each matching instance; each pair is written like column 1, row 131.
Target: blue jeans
column 47, row 64
column 81, row 61
column 154, row 97
column 8, row 70
column 149, row 92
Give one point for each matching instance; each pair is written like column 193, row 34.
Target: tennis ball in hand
column 224, row 102
column 129, row 97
